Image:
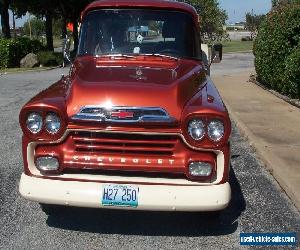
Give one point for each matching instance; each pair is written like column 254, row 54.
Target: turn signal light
column 47, row 163
column 200, row 169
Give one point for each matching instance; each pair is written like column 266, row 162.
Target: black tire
column 50, row 209
column 214, row 215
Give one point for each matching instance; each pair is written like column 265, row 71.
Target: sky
column 236, row 9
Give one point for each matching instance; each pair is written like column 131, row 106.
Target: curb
column 240, row 52
column 30, row 70
column 263, row 158
column 294, row 102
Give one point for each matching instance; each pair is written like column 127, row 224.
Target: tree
column 213, row 18
column 67, row 11
column 277, row 3
column 37, row 27
column 57, row 27
column 4, row 6
column 40, row 8
column 276, row 50
column 253, row 22
column 71, row 10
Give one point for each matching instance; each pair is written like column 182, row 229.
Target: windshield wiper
column 116, row 55
column 161, row 55
column 135, row 55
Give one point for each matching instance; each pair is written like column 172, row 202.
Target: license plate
column 120, row 195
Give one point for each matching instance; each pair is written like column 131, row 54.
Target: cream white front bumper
column 151, row 197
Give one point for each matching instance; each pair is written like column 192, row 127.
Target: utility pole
column 29, row 24
column 252, row 24
column 14, row 24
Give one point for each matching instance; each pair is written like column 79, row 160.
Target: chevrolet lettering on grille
column 100, row 159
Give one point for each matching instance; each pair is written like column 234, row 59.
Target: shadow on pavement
column 153, row 223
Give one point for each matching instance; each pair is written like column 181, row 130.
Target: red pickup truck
column 137, row 123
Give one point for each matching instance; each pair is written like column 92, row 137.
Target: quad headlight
column 196, row 129
column 34, row 122
column 215, row 130
column 52, row 123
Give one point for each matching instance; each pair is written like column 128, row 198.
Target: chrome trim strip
column 146, row 118
column 161, row 55
column 64, row 136
column 133, row 67
column 82, row 116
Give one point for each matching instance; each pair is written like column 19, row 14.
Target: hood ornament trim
column 139, row 75
column 123, row 114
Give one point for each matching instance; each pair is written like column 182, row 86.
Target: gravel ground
column 258, row 204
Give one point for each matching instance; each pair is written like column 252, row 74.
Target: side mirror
column 216, row 53
column 66, row 51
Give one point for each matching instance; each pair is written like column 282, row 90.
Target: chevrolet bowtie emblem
column 122, row 114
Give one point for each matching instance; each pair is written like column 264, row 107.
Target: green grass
column 237, row 46
column 20, row 70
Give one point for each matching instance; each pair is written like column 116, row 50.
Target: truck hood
column 160, row 82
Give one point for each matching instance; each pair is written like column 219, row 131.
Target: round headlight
column 52, row 123
column 215, row 130
column 196, row 129
column 34, row 122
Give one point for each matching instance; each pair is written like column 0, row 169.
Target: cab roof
column 150, row 4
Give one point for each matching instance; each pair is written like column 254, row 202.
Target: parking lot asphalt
column 258, row 203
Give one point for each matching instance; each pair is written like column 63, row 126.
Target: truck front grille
column 148, row 144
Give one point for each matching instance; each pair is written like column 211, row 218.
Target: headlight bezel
column 199, row 121
column 43, row 134
column 46, row 121
column 40, row 126
column 208, row 130
column 206, row 141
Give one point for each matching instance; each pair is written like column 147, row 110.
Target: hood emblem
column 122, row 114
column 138, row 75
column 139, row 72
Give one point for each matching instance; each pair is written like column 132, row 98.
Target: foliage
column 277, row 49
column 37, row 27
column 12, row 51
column 56, row 13
column 212, row 18
column 40, row 8
column 292, row 74
column 50, row 58
column 57, row 27
column 253, row 21
column 278, row 3
column 71, row 10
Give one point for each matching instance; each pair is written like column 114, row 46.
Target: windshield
column 139, row 31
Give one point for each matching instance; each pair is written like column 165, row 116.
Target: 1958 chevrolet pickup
column 137, row 123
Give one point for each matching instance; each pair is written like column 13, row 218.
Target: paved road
column 258, row 204
column 234, row 63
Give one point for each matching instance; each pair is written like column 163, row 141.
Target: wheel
column 50, row 209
